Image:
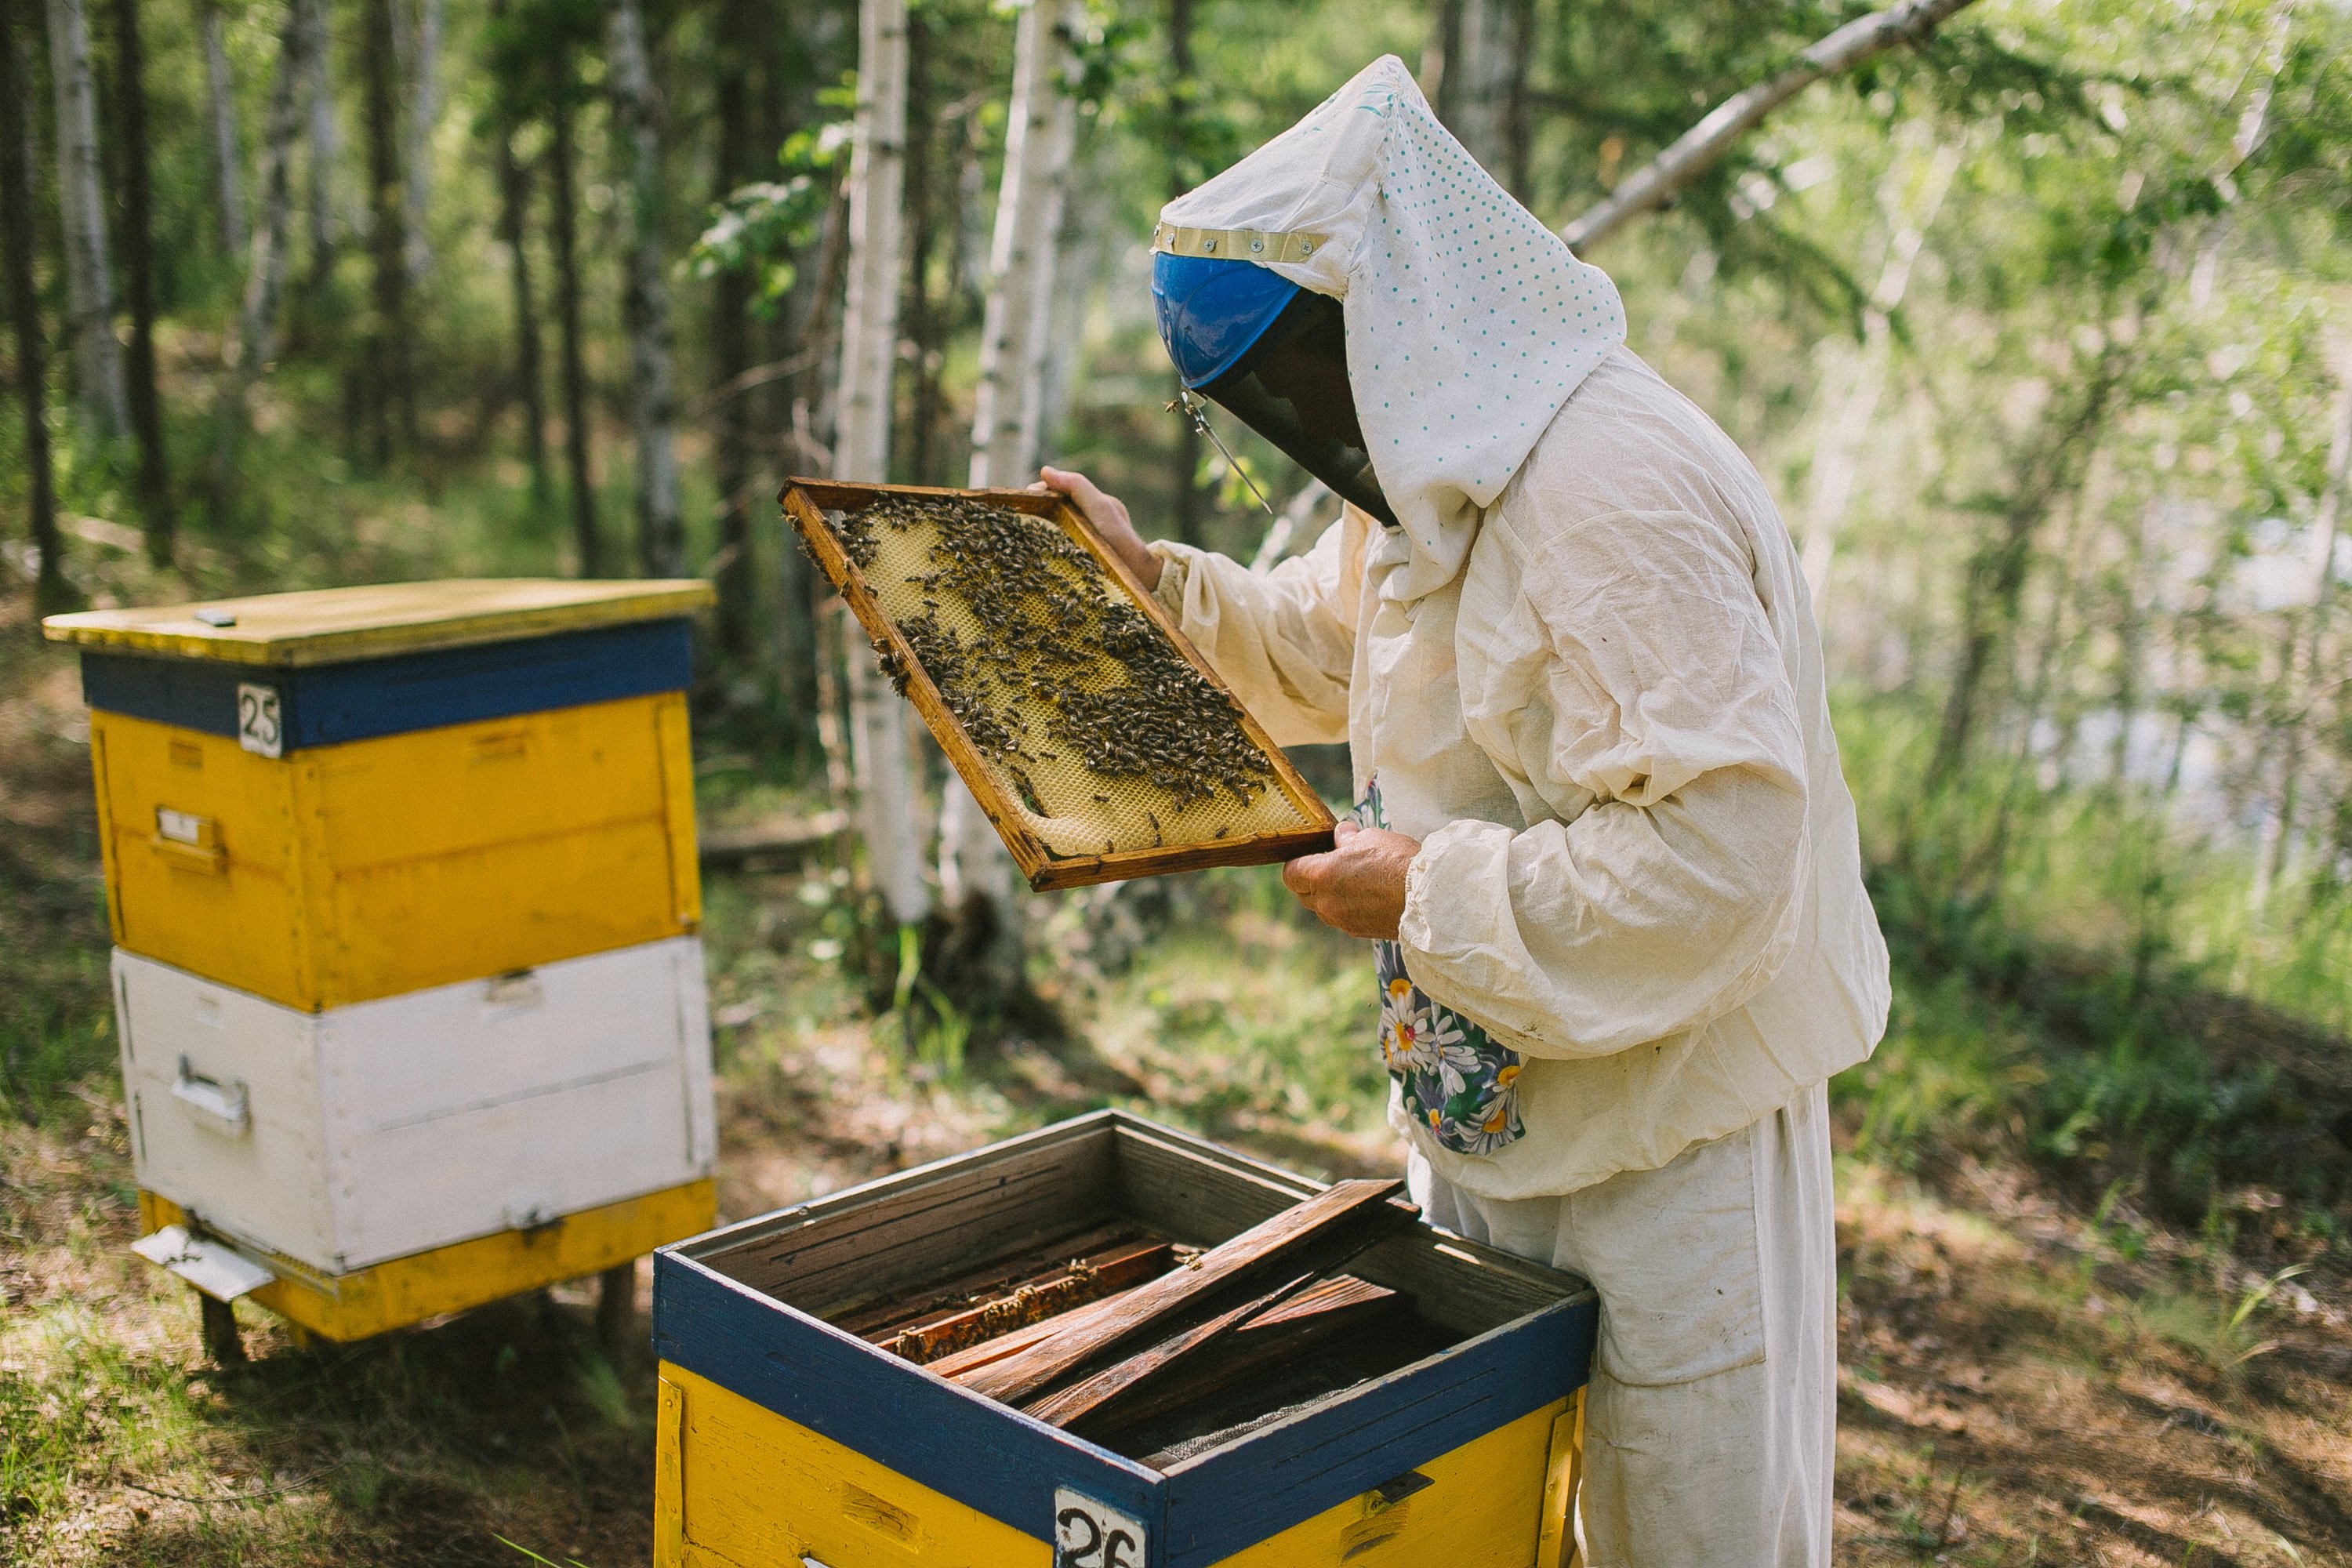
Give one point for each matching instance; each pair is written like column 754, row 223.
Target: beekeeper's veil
column 1469, row 322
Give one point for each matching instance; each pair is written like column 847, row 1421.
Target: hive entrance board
column 1098, row 741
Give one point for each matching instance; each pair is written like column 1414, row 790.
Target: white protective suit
column 1584, row 674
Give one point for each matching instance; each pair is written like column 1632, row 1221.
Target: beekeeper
column 1606, row 857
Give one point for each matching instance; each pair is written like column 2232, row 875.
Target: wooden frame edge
column 804, row 502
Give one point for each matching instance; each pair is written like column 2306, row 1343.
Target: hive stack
column 404, row 894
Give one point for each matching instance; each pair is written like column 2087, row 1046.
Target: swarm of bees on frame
column 1110, row 686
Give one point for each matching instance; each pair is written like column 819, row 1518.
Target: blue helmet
column 1212, row 310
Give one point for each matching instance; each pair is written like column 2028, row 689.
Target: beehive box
column 345, row 1139
column 324, row 798
column 784, row 1439
column 1100, row 742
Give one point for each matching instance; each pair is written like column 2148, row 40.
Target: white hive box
column 349, row 1137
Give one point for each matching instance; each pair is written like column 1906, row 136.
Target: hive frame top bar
column 329, row 625
column 805, row 500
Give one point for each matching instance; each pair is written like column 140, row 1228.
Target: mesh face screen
column 1099, row 736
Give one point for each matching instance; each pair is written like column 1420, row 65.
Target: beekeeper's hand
column 1357, row 886
column 1109, row 514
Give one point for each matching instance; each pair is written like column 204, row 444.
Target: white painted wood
column 394, row 1126
column 221, row 1272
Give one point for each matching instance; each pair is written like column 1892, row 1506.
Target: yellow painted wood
column 746, row 1485
column 670, row 1498
column 408, row 1290
column 327, row 625
column 344, row 873
column 1563, row 1474
column 756, row 1488
column 1484, row 1511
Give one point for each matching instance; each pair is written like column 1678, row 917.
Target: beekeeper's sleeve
column 1658, row 725
column 1285, row 641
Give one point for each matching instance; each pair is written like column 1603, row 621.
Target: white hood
column 1469, row 323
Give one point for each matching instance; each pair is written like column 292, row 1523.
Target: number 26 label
column 1092, row 1534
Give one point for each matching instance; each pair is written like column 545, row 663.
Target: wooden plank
column 324, row 625
column 979, row 1355
column 1344, row 1217
column 982, row 1455
column 806, row 500
column 901, row 1234
column 1033, row 1301
column 1270, row 1340
column 1092, row 1395
column 936, row 1298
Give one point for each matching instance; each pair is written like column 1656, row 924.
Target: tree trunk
column 653, row 400
column 1483, row 82
column 1838, row 450
column 90, row 286
column 1185, row 491
column 514, row 233
column 730, row 330
column 50, row 590
column 220, row 102
column 976, row 874
column 1997, row 571
column 2304, row 674
column 139, row 276
column 417, row 151
column 264, row 270
column 564, row 240
column 869, row 340
column 328, row 223
column 926, row 322
column 390, row 392
column 529, row 385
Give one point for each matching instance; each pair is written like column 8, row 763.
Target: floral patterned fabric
column 1455, row 1081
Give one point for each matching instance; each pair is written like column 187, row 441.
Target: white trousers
column 1710, row 1428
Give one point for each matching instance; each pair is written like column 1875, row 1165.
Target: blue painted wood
column 979, row 1453
column 1275, row 1479
column 1006, row 1464
column 327, row 704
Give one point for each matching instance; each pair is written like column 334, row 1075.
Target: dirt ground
column 2023, row 1381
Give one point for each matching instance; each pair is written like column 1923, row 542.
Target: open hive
column 1096, row 737
column 856, row 1381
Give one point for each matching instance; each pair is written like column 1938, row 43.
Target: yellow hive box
column 1448, row 1435
column 343, row 873
column 330, row 796
column 408, row 1290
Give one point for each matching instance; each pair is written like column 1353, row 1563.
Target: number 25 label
column 1092, row 1534
column 260, row 726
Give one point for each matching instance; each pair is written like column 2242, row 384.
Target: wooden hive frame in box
column 806, row 501
column 783, row 1436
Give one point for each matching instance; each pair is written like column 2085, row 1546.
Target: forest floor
column 2027, row 1377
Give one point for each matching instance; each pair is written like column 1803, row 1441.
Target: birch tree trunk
column 869, row 340
column 563, row 239
column 139, row 277
column 327, row 220
column 416, row 153
column 1186, row 512
column 731, row 331
column 976, row 874
column 1837, row 452
column 50, row 590
column 265, row 267
column 653, row 398
column 1485, row 85
column 2302, row 674
column 220, row 105
column 90, row 286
